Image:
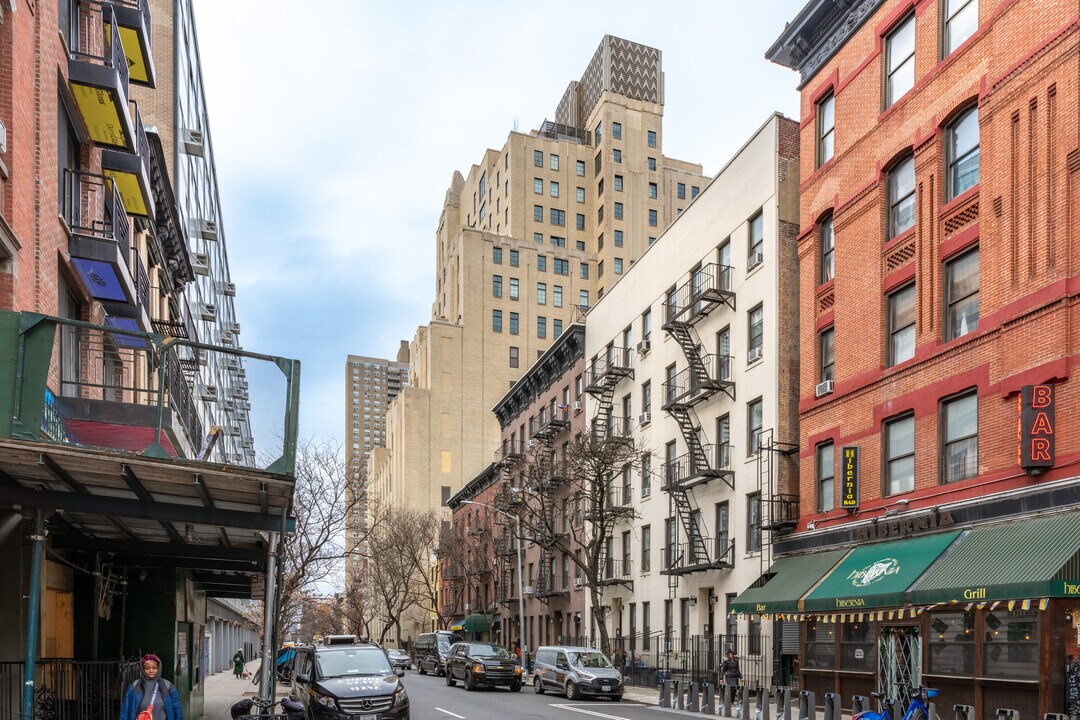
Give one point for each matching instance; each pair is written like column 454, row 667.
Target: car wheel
column 538, row 685
column 515, row 687
column 572, row 692
column 470, row 683
column 420, row 668
column 449, row 678
column 616, row 698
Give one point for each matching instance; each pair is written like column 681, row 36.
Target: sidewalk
column 223, row 689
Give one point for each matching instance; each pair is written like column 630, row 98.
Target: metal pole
column 266, row 668
column 521, row 596
column 37, row 539
column 97, row 607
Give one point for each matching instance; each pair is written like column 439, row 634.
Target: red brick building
column 940, row 200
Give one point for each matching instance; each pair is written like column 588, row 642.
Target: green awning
column 791, row 578
column 1018, row 560
column 875, row 576
column 475, row 623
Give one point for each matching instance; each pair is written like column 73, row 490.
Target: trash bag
column 241, row 707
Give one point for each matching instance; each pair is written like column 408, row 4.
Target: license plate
column 606, row 688
column 364, row 717
column 500, row 668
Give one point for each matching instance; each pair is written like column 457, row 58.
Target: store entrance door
column 899, row 664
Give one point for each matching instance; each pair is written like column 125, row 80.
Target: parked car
column 399, row 658
column 479, row 664
column 342, row 679
column 429, row 652
column 576, row 671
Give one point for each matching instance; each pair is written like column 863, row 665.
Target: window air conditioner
column 529, row 590
column 576, row 407
column 753, row 355
column 191, row 141
column 234, row 327
column 754, row 260
column 231, row 362
column 229, row 405
column 209, row 392
column 530, row 444
column 208, row 311
column 823, row 388
column 577, row 582
column 208, row 229
column 645, row 418
column 228, row 289
column 646, row 492
column 644, row 346
column 200, row 263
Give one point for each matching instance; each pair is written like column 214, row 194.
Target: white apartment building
column 693, row 352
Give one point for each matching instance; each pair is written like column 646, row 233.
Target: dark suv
column 477, row 664
column 342, row 679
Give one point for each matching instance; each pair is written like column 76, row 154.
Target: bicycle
column 259, row 709
column 918, row 709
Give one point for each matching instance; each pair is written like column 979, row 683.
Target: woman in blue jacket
column 151, row 693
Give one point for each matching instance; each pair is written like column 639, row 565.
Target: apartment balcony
column 100, row 237
column 699, row 555
column 708, row 287
column 130, row 171
column 98, row 73
column 695, row 468
column 616, row 572
column 546, row 428
column 133, row 20
column 606, row 371
column 703, row 378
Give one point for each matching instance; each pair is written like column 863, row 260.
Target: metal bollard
column 887, row 706
column 727, row 700
column 677, row 700
column 742, row 710
column 761, row 704
column 708, row 698
column 832, row 706
column 692, row 698
column 783, row 704
column 963, row 712
column 1007, row 714
column 858, row 704
column 807, row 705
column 665, row 695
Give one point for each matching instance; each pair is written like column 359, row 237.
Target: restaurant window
column 858, row 649
column 952, row 644
column 1012, row 644
column 820, row 649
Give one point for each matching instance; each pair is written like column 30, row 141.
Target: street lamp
column 521, row 589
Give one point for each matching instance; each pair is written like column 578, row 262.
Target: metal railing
column 91, row 42
column 646, row 659
column 612, row 426
column 616, row 362
column 92, row 207
column 68, row 689
column 615, row 568
column 688, row 384
column 142, row 282
column 549, row 426
column 706, row 286
column 715, row 459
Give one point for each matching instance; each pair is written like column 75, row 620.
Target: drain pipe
column 37, row 539
column 267, row 681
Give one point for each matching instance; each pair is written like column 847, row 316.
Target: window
column 598, row 163
column 961, row 22
column 652, row 190
column 541, row 293
column 558, row 217
column 826, row 124
column 618, row 183
column 680, row 191
column 618, row 266
column 514, row 288
column 554, row 187
column 580, row 221
column 901, row 182
column 694, row 190
column 753, row 522
column 496, row 256
column 616, row 131
column 556, row 327
column 858, row 645
column 960, row 437
column 554, row 163
column 583, row 299
column 598, row 133
column 963, row 153
column 827, row 357
column 828, row 248
column 538, row 237
column 584, row 271
column 538, row 186
column 820, row 649
column 756, row 333
column 538, row 213
column 652, row 218
column 646, row 396
column 600, row 215
column 556, row 296
column 513, row 323
column 952, row 644
column 600, row 269
column 652, row 138
column 825, row 477
column 513, row 357
column 757, row 235
column 902, row 325
column 496, row 286
column 514, row 257
column 580, row 195
column 496, row 321
column 616, row 156
column 962, row 295
column 754, row 424
column 541, row 327
column 652, row 164
column 900, row 61
column 538, row 158
column 541, row 263
column 581, row 168
column 900, row 455
column 1012, row 644
column 646, row 548
column 618, row 211
column 646, row 324
column 558, row 241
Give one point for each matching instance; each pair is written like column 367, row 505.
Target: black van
column 342, row 679
column 430, row 651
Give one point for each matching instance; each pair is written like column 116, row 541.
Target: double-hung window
column 900, row 60
column 496, row 286
column 828, row 249
column 962, row 295
column 616, row 131
column 651, row 136
column 901, row 325
column 538, row 158
column 754, row 424
column 755, row 333
column 553, row 187
column 963, row 153
column 554, row 162
column 826, row 125
column 825, row 477
column 514, row 288
column 827, row 345
column 514, row 323
column 901, row 181
column 961, row 21
column 541, row 293
column 960, row 437
column 899, row 452
column 538, row 186
column 757, row 238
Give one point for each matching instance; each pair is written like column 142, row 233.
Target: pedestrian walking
column 730, row 671
column 151, row 697
column 238, row 664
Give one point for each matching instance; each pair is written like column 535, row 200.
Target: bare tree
column 467, row 556
column 571, row 504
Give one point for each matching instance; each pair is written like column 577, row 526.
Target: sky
column 337, row 127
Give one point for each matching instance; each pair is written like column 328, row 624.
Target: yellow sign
column 99, row 110
column 130, row 192
column 849, row 477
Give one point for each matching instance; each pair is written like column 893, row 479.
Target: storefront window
column 952, row 644
column 1012, row 644
column 820, row 645
column 857, row 646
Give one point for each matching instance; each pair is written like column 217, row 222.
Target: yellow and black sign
column 849, row 477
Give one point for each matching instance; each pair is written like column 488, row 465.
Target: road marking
column 460, row 717
column 571, row 708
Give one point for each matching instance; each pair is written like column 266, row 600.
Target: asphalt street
column 431, row 699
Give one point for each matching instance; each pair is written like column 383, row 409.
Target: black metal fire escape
column 603, row 374
column 549, row 474
column 705, row 375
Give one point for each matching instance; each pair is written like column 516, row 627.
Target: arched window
column 962, row 153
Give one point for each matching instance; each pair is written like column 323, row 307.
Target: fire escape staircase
column 603, row 375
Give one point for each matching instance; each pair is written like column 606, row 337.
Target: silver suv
column 576, row 671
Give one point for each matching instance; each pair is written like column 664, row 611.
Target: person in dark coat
column 730, row 671
column 238, row 664
column 151, row 693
